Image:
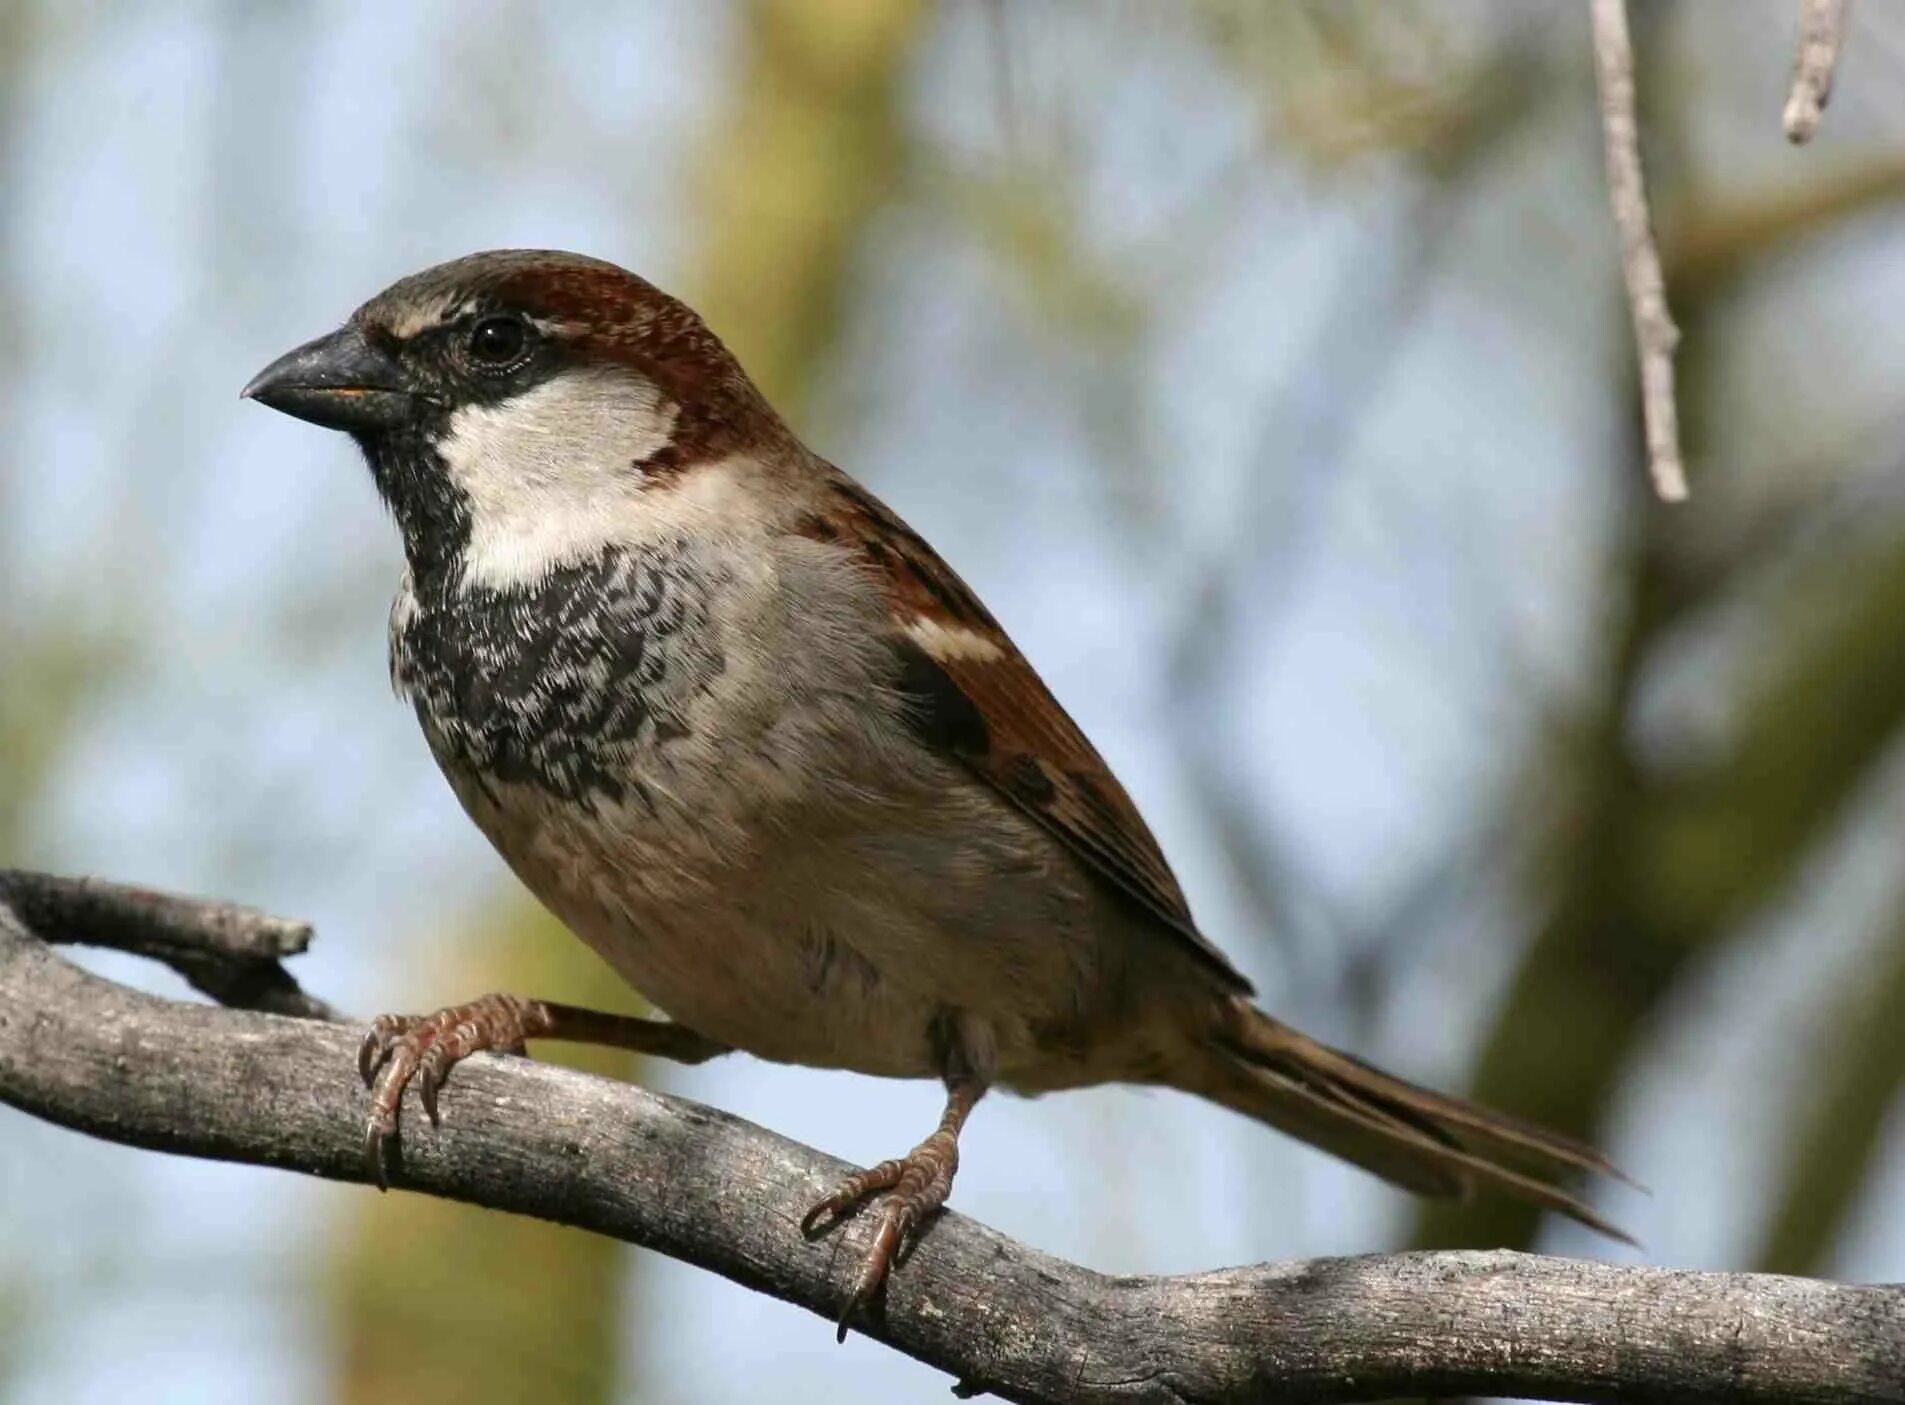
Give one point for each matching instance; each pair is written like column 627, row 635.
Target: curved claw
column 895, row 1224
column 861, row 1295
column 810, row 1223
column 371, row 1054
column 431, row 1072
column 388, row 1064
column 379, row 1040
column 855, row 1301
column 374, row 1139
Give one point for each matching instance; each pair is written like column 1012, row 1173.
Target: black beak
column 339, row 381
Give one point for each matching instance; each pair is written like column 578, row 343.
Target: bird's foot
column 910, row 1189
column 400, row 1048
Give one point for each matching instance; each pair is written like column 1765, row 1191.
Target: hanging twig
column 1821, row 31
column 1655, row 335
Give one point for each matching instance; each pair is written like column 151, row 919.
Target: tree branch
column 723, row 1194
column 1821, row 32
column 224, row 950
column 1655, row 335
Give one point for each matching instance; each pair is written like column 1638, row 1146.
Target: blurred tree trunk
column 436, row 1299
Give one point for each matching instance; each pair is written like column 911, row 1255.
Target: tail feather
column 1422, row 1140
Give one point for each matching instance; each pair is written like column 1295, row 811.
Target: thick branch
column 718, row 1192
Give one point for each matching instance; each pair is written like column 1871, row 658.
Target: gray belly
column 840, row 941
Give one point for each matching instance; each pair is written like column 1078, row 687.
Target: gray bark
column 697, row 1184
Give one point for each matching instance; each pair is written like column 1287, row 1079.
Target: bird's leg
column 399, row 1048
column 914, row 1186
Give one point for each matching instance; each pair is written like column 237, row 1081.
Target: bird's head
column 516, row 406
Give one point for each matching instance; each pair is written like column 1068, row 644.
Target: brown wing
column 976, row 698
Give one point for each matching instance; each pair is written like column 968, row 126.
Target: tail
column 1415, row 1138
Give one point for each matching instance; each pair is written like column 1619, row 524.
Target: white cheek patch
column 553, row 475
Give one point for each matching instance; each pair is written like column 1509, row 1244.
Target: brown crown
column 605, row 313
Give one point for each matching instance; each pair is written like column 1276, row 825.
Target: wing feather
column 977, row 699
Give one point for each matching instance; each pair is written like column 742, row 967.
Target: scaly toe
column 424, row 1048
column 393, row 1071
column 838, row 1203
column 898, row 1215
column 371, row 1054
column 432, row 1069
column 383, row 1036
column 376, row 1136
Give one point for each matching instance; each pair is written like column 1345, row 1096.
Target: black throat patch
column 432, row 513
column 565, row 684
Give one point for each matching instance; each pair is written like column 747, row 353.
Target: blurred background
column 1263, row 365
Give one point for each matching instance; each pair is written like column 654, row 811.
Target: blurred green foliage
column 1651, row 866
column 1834, row 1134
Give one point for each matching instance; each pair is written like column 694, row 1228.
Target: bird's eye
column 498, row 341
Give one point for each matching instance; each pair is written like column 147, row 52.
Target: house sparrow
column 747, row 735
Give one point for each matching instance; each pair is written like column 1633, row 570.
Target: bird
column 750, row 738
